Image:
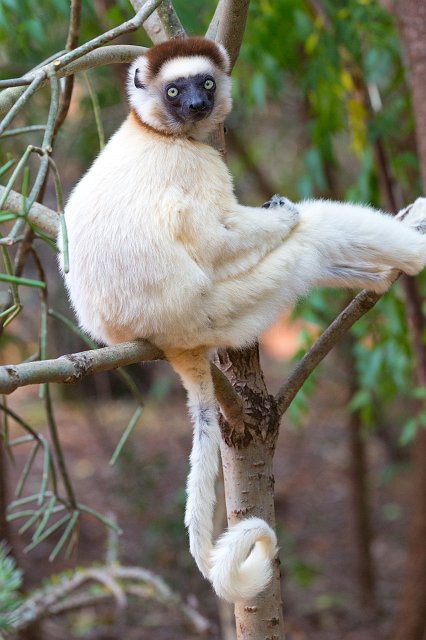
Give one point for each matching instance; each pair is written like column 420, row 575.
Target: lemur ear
column 137, row 74
column 136, row 80
column 225, row 57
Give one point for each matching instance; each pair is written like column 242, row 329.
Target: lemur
column 160, row 249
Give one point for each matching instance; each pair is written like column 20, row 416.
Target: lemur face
column 182, row 87
column 190, row 98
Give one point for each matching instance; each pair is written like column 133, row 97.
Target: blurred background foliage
column 321, row 109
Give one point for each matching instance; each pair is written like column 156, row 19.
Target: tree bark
column 247, row 458
column 411, row 619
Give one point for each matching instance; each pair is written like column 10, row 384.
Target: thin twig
column 96, row 112
column 113, row 54
column 29, row 91
column 58, row 596
column 60, row 459
column 131, row 25
column 21, row 130
column 170, row 20
column 65, row 59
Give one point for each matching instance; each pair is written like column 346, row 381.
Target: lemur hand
column 278, row 201
column 287, row 211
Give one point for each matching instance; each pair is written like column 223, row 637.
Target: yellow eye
column 209, row 84
column 172, row 92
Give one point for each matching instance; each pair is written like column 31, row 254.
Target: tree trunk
column 411, row 620
column 249, row 482
column 359, row 488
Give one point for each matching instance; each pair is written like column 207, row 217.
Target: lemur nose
column 198, row 105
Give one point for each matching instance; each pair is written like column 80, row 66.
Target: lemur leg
column 194, row 369
column 357, row 246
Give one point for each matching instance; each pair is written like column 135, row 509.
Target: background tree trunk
column 362, row 530
column 411, row 620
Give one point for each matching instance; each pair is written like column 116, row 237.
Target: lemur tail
column 239, row 565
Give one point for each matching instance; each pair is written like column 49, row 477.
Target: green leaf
column 126, row 434
column 25, row 281
column 360, row 400
column 419, row 392
column 6, row 216
column 408, row 433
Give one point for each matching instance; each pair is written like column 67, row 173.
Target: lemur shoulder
column 160, row 249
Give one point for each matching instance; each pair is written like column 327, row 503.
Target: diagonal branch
column 357, row 308
column 131, row 25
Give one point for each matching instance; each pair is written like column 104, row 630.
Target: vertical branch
column 228, row 25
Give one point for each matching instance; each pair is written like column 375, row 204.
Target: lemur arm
column 246, row 235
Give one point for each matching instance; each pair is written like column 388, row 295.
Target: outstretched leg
column 357, row 246
column 334, row 244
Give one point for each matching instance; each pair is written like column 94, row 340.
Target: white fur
column 160, row 249
column 184, row 67
column 241, row 560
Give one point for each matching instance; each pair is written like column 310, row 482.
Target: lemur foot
column 414, row 215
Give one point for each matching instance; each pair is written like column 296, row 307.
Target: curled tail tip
column 242, row 560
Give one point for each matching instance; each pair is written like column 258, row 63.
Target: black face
column 190, row 98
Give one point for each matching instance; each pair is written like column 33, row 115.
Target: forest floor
column 145, row 492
